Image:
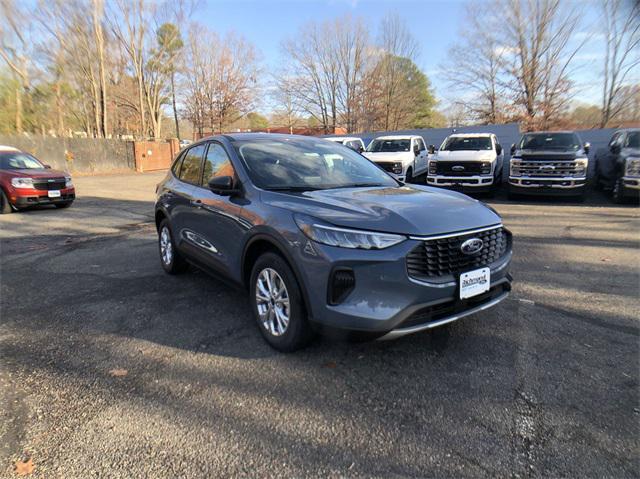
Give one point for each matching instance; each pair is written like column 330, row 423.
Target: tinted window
column 307, row 164
column 354, row 145
column 550, row 141
column 460, row 143
column 216, row 163
column 420, row 144
column 190, row 171
column 389, row 145
column 633, row 139
column 16, row 160
column 177, row 165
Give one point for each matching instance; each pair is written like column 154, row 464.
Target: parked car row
column 541, row 163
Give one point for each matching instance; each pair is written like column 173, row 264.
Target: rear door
column 216, row 225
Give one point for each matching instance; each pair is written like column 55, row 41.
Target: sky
column 434, row 23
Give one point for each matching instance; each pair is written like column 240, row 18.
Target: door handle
column 196, row 203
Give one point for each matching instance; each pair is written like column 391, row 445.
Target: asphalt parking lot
column 111, row 368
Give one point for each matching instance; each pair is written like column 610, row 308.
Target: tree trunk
column 173, row 101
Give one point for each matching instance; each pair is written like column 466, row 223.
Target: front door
column 216, row 222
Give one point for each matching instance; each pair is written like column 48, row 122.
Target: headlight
column 345, row 238
column 397, row 167
column 433, row 167
column 486, row 168
column 22, row 183
column 581, row 166
column 514, row 167
column 632, row 166
column 67, row 182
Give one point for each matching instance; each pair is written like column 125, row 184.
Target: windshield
column 16, row 160
column 633, row 139
column 550, row 141
column 458, row 143
column 377, row 146
column 306, row 164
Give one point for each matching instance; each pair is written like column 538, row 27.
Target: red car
column 25, row 182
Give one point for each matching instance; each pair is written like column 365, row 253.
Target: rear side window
column 216, row 163
column 190, row 170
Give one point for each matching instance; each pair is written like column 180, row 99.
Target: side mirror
column 431, row 149
column 499, row 149
column 48, row 167
column 222, row 185
column 416, row 150
column 513, row 148
column 361, row 149
column 587, row 147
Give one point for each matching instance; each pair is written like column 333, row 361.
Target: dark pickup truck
column 549, row 163
column 618, row 165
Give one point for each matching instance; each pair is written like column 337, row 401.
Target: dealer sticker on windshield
column 473, row 283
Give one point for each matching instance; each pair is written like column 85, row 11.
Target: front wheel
column 409, row 177
column 5, row 206
column 617, row 194
column 278, row 305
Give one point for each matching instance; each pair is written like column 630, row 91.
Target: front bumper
column 475, row 183
column 385, row 298
column 568, row 186
column 23, row 198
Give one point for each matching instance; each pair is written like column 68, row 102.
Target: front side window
column 467, row 143
column 420, row 144
column 17, row 160
column 550, row 141
column 306, row 164
column 190, row 170
column 633, row 139
column 378, row 146
column 216, row 163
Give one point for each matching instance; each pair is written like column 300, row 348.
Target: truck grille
column 459, row 168
column 547, row 169
column 46, row 184
column 442, row 257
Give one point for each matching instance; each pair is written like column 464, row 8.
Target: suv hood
column 37, row 173
column 414, row 210
column 466, row 155
column 388, row 156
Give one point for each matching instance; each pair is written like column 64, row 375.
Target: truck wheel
column 277, row 304
column 617, row 194
column 409, row 177
column 5, row 206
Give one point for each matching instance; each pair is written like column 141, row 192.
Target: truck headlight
column 343, row 237
column 514, row 167
column 68, row 183
column 581, row 165
column 433, row 167
column 632, row 166
column 397, row 168
column 22, row 183
column 486, row 168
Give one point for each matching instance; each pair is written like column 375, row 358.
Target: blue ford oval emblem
column 472, row 246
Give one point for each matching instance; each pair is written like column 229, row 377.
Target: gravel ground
column 111, row 368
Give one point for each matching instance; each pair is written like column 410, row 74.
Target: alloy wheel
column 272, row 301
column 166, row 248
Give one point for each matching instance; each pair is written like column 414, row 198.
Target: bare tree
column 539, row 32
column 14, row 50
column 284, row 94
column 621, row 29
column 473, row 66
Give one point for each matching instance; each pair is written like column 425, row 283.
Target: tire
column 170, row 259
column 409, row 177
column 66, row 204
column 5, row 206
column 281, row 315
column 617, row 194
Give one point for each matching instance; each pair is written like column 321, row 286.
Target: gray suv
column 325, row 240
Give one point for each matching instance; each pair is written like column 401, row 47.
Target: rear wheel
column 171, row 260
column 5, row 206
column 278, row 305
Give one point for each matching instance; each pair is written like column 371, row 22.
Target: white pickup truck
column 404, row 156
column 353, row 142
column 471, row 161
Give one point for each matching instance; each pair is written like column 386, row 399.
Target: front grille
column 547, row 169
column 443, row 257
column 46, row 184
column 471, row 168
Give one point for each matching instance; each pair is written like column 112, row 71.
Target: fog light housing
column 341, row 283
